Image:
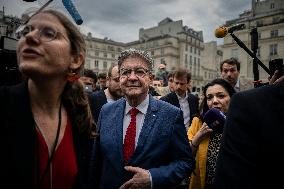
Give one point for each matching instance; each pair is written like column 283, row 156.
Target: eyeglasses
column 45, row 34
column 139, row 72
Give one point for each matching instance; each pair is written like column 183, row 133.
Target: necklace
column 47, row 168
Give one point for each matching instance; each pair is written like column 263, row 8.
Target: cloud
column 121, row 20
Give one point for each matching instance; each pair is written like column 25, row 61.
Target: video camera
column 9, row 72
column 276, row 64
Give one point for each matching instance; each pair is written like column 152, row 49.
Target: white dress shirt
column 139, row 118
column 184, row 106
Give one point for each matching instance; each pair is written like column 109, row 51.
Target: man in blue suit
column 146, row 149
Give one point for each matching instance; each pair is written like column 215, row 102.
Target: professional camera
column 9, row 72
column 276, row 64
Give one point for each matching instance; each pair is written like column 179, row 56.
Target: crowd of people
column 64, row 127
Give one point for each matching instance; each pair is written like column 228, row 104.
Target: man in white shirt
column 181, row 96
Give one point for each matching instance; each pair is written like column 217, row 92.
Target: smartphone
column 276, row 64
column 89, row 88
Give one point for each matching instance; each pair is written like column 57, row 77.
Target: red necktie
column 129, row 140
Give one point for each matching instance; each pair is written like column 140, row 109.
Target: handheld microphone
column 72, row 11
column 223, row 31
column 215, row 119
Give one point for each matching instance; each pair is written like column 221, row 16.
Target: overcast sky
column 120, row 20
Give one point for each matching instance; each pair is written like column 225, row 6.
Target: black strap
column 47, row 168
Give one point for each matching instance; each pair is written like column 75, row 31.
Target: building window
column 110, row 48
column 273, row 49
column 105, row 64
column 235, row 53
column 191, row 49
column 198, row 68
column 88, row 64
column 152, row 53
column 105, row 54
column 96, row 63
column 259, row 35
column 186, row 47
column 194, row 50
column 275, row 20
column 198, row 51
column 272, row 6
column 162, row 60
column 162, row 51
column 274, row 33
column 185, row 59
column 258, row 52
column 194, row 69
column 259, row 23
column 113, row 55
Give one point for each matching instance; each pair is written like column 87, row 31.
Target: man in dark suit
column 250, row 155
column 181, row 96
column 142, row 141
column 230, row 71
column 110, row 94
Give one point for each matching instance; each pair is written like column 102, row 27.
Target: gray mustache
column 135, row 84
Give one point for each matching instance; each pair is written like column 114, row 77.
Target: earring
column 72, row 76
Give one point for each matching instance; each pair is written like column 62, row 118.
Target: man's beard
column 115, row 94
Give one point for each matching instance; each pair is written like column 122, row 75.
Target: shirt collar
column 180, row 98
column 237, row 86
column 141, row 107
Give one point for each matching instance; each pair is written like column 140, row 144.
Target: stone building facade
column 267, row 16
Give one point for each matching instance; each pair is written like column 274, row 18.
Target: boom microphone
column 72, row 11
column 223, row 31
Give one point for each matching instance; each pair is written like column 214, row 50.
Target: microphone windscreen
column 214, row 118
column 221, row 32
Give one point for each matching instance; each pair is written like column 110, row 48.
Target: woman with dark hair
column 46, row 122
column 205, row 141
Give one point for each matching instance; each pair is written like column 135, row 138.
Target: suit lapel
column 118, row 121
column 175, row 100
column 148, row 124
column 191, row 104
